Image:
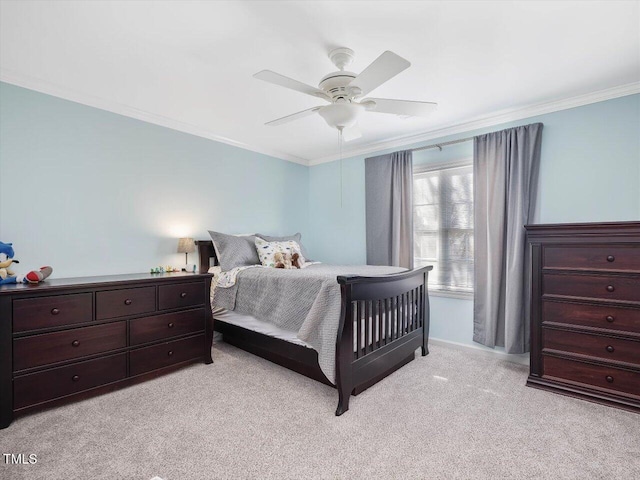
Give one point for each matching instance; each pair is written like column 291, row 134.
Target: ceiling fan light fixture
column 341, row 115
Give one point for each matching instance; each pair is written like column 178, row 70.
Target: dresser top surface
column 602, row 229
column 88, row 282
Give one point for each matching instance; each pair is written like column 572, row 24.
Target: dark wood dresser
column 67, row 339
column 585, row 311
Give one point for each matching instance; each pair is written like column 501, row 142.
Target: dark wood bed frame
column 391, row 310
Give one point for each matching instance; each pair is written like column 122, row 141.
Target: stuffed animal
column 297, row 260
column 9, row 276
column 282, row 260
column 6, row 259
column 285, row 260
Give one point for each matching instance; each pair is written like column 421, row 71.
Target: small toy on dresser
column 9, row 276
column 167, row 269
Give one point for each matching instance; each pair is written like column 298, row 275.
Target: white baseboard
column 520, row 358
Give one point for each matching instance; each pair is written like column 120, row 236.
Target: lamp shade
column 186, row 245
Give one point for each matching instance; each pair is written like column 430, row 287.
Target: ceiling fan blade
column 277, row 79
column 383, row 68
column 402, row 107
column 293, row 116
column 351, row 133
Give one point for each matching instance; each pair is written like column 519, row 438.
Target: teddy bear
column 297, row 260
column 8, row 276
column 285, row 260
column 282, row 260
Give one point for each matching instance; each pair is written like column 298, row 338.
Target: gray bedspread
column 305, row 301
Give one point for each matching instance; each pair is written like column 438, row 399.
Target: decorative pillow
column 234, row 251
column 267, row 250
column 295, row 237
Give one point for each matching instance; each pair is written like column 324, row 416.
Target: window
column 443, row 226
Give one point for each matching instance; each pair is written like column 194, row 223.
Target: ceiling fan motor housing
column 336, row 85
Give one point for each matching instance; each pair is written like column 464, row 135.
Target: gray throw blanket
column 305, row 301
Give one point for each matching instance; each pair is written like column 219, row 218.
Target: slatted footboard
column 384, row 319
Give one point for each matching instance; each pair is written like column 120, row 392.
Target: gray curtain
column 389, row 209
column 505, row 171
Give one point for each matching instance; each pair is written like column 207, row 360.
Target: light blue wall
column 91, row 192
column 589, row 172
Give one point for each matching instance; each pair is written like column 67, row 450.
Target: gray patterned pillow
column 234, row 251
column 295, row 237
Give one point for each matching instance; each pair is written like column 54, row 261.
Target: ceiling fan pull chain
column 340, row 147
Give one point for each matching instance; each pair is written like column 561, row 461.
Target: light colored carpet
column 452, row 414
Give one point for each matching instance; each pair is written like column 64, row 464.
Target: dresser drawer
column 598, row 316
column 160, row 327
column 128, row 301
column 59, row 382
column 165, row 354
column 181, row 295
column 53, row 311
column 606, row 348
column 55, row 347
column 601, row 287
column 594, row 257
column 608, row 378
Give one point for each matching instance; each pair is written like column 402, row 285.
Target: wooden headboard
column 206, row 252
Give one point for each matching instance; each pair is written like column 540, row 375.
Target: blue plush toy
column 8, row 276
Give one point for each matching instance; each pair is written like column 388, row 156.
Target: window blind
column 443, row 226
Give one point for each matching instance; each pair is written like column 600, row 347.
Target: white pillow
column 267, row 250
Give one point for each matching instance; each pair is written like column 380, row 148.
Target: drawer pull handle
column 55, row 311
column 611, row 258
column 610, row 319
column 609, row 378
column 170, row 353
column 610, row 348
column 183, row 294
column 75, row 343
column 75, row 378
column 128, row 301
column 610, row 288
column 170, row 325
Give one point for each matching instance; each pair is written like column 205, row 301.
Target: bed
column 389, row 321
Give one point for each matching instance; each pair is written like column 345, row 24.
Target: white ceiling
column 189, row 64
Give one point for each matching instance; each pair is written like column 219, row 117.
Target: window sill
column 445, row 293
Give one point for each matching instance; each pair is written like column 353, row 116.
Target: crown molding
column 49, row 88
column 496, row 118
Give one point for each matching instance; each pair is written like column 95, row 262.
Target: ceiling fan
column 343, row 90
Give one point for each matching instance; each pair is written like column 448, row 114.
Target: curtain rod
column 443, row 144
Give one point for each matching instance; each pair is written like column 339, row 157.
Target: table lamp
column 186, row 245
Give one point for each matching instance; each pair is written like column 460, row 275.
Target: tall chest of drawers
column 67, row 339
column 585, row 311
